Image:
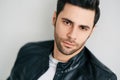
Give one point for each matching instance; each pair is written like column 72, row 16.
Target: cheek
column 82, row 37
column 58, row 33
column 61, row 31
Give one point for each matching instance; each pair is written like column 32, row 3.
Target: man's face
column 72, row 28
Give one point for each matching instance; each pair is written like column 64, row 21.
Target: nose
column 72, row 34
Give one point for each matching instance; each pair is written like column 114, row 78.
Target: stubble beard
column 66, row 50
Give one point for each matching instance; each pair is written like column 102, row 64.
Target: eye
column 85, row 28
column 66, row 22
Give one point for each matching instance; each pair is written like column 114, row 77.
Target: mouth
column 68, row 44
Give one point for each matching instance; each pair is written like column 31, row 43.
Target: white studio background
column 23, row 21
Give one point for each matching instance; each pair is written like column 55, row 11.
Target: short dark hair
column 87, row 4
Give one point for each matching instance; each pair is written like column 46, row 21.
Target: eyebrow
column 86, row 26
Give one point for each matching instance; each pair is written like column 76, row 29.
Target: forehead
column 78, row 15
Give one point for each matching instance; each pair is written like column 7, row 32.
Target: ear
column 54, row 18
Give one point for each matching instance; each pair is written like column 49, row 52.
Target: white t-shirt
column 49, row 74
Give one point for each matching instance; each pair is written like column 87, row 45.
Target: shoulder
column 30, row 58
column 40, row 44
column 33, row 51
column 100, row 70
column 36, row 47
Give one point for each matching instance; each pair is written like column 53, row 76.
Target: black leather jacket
column 33, row 61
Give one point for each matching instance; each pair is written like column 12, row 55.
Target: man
column 65, row 58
